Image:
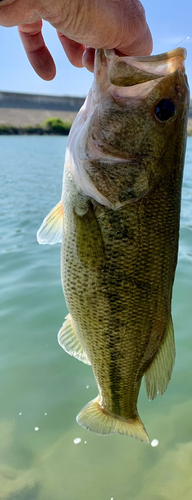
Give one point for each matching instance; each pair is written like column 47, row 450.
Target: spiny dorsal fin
column 69, row 341
column 95, row 419
column 51, row 228
column 159, row 373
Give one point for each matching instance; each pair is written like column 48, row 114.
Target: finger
column 88, row 59
column 142, row 46
column 36, row 50
column 74, row 51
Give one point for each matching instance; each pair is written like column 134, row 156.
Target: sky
column 170, row 22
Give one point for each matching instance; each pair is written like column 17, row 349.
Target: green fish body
column 119, row 224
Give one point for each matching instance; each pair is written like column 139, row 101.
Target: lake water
column 42, row 388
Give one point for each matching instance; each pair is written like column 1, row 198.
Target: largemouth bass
column 118, row 221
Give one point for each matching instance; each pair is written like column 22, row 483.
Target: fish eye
column 164, row 110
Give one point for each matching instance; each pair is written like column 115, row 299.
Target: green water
column 42, row 388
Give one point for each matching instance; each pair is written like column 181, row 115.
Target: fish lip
column 179, row 51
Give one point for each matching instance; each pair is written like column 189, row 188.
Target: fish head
column 133, row 120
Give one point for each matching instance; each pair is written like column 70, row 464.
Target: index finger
column 36, row 50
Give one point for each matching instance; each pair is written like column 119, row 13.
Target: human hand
column 82, row 26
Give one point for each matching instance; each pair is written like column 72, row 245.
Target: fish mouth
column 128, row 71
column 125, row 76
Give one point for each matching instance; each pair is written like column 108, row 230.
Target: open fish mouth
column 126, row 71
column 135, row 76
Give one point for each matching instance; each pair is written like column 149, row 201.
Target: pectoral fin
column 69, row 341
column 159, row 373
column 89, row 239
column 51, row 228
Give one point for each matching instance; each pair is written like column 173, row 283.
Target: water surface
column 42, row 388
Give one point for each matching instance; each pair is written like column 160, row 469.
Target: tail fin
column 95, row 419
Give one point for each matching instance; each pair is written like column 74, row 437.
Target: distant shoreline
column 25, row 113
column 10, row 130
column 50, row 126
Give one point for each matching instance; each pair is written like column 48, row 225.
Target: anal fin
column 95, row 419
column 69, row 341
column 159, row 373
